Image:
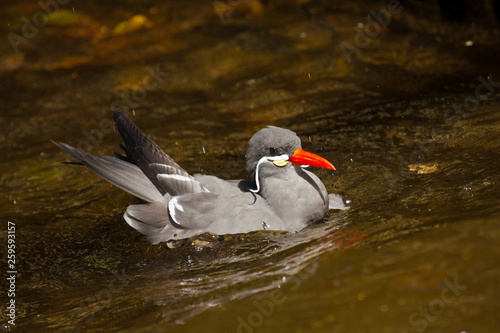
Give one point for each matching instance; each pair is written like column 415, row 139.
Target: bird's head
column 273, row 148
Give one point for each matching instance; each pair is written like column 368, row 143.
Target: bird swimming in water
column 279, row 194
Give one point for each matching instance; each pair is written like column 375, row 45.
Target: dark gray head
column 271, row 141
column 273, row 150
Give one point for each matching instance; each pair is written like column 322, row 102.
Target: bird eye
column 274, row 151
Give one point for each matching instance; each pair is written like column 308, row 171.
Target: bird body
column 279, row 194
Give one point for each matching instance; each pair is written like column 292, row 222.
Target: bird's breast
column 299, row 197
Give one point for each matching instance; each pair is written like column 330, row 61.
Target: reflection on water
column 411, row 123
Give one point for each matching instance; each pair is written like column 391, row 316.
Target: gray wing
column 176, row 181
column 122, row 174
column 223, row 214
column 143, row 152
column 194, row 213
column 146, row 171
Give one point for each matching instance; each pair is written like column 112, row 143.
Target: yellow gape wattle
column 281, row 163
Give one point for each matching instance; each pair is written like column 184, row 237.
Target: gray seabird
column 279, row 195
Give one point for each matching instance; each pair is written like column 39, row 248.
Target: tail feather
column 153, row 220
column 122, row 174
column 149, row 219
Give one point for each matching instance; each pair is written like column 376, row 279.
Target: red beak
column 302, row 157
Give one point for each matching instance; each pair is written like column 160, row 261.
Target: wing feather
column 176, row 181
column 142, row 151
column 122, row 174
